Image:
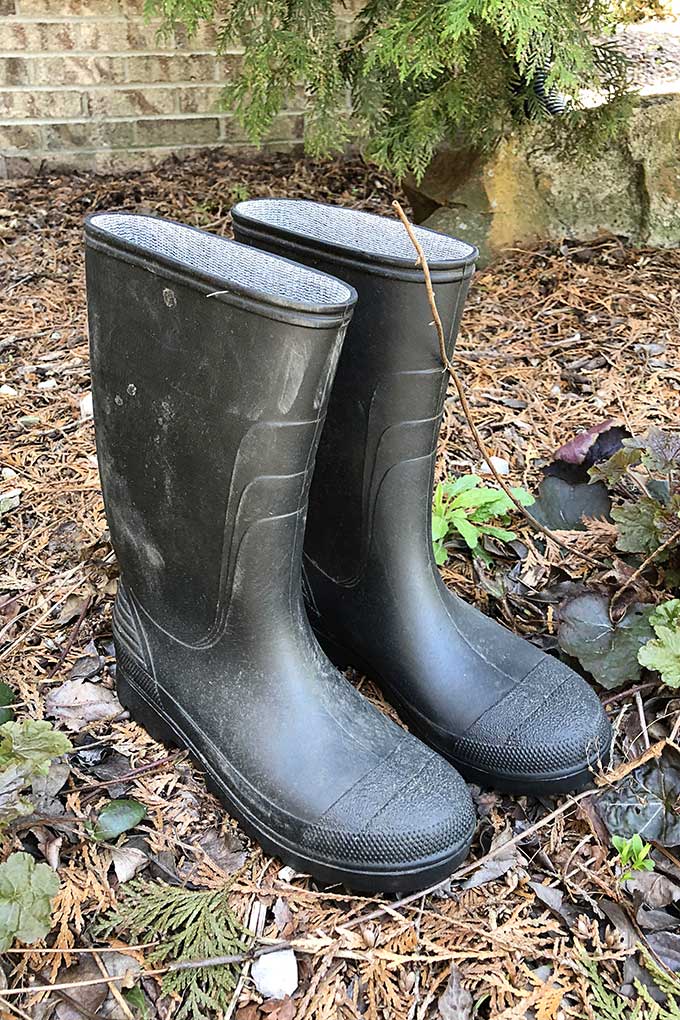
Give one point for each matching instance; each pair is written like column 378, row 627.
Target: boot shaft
column 211, row 368
column 386, row 405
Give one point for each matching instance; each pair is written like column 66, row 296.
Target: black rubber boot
column 503, row 712
column 211, row 367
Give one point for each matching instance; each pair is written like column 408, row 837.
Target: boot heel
column 133, row 699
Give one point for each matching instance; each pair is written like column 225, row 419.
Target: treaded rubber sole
column 368, row 878
column 547, row 784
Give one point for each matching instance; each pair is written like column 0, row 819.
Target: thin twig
column 209, row 961
column 446, row 361
column 115, row 991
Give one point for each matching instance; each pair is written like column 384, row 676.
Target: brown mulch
column 553, row 340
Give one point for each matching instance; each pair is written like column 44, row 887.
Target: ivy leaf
column 607, row 651
column 26, row 889
column 562, row 504
column 645, row 803
column 663, row 652
column 26, row 750
column 31, row 742
column 637, row 526
column 661, row 450
column 613, row 470
column 117, row 817
column 6, row 699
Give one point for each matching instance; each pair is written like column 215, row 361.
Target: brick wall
column 88, row 84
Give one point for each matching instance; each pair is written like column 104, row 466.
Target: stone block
column 531, row 188
column 40, row 104
column 198, row 98
column 88, row 134
column 14, row 71
column 154, row 68
column 178, row 131
column 75, row 70
column 15, row 137
column 131, row 102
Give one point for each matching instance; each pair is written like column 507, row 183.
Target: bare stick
column 422, row 263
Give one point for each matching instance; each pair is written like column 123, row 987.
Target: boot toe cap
column 550, row 734
column 412, row 813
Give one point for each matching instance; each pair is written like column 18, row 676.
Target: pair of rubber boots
column 266, row 428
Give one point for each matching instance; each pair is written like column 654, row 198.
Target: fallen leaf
column 666, row 946
column 77, row 702
column 90, row 997
column 45, row 788
column 127, row 861
column 653, row 889
column 455, row 1003
column 227, row 852
column 71, row 609
column 117, row 817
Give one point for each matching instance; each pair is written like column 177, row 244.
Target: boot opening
column 353, row 229
column 234, row 265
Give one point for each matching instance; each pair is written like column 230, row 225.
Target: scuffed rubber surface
column 548, row 722
column 502, row 711
column 208, row 413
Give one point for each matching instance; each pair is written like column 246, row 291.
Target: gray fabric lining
column 360, row 231
column 232, row 263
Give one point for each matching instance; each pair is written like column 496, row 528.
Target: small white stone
column 8, row 473
column 275, row 974
column 48, row 384
column 86, row 410
column 8, row 391
column 501, row 465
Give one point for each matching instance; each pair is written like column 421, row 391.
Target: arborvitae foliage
column 414, row 71
column 186, row 924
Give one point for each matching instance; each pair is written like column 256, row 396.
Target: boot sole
column 362, row 878
column 535, row 784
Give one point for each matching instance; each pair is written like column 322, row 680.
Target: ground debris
column 551, row 344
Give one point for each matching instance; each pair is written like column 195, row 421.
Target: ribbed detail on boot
column 550, row 721
column 136, row 675
column 410, row 785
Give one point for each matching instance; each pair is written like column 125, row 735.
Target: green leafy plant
column 473, row 510
column 186, row 924
column 26, row 889
column 26, row 750
column 662, row 653
column 633, row 855
column 645, row 474
column 410, row 68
